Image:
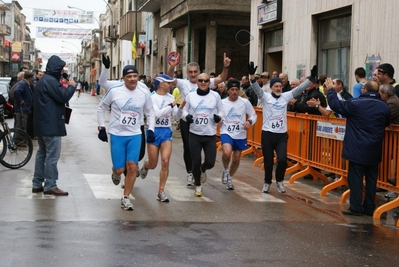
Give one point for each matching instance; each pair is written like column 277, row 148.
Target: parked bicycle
column 16, row 146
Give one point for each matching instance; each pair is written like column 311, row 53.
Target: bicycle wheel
column 17, row 149
column 3, row 147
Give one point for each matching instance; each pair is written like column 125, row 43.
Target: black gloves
column 150, row 136
column 313, row 74
column 217, row 118
column 102, row 135
column 251, row 68
column 106, row 61
column 65, row 76
column 189, row 118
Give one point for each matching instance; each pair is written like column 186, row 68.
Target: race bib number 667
column 276, row 122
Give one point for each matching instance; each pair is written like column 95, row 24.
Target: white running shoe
column 126, row 204
column 230, row 185
column 203, row 177
column 225, row 176
column 143, row 172
column 281, row 187
column 198, row 191
column 162, row 197
column 190, row 178
column 116, row 179
column 266, row 188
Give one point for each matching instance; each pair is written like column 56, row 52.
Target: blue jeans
column 355, row 182
column 46, row 162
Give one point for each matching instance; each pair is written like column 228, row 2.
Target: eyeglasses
column 203, row 80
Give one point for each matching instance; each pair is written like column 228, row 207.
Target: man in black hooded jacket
column 50, row 98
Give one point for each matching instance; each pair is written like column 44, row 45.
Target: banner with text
column 330, row 130
column 63, row 33
column 62, row 16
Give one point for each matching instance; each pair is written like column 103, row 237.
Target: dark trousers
column 274, row 142
column 142, row 148
column 185, row 133
column 29, row 124
column 355, row 181
column 208, row 145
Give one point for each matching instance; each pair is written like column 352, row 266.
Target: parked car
column 9, row 110
column 5, row 79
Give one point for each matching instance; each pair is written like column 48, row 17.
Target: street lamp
column 72, row 7
column 69, row 49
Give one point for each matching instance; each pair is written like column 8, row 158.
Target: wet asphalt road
column 224, row 228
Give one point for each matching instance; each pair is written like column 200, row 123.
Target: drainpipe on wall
column 189, row 38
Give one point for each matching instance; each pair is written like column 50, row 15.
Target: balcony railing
column 5, row 30
column 127, row 25
column 4, row 53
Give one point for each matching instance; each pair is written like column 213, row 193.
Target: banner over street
column 63, row 33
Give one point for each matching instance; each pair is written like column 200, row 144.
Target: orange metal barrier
column 389, row 168
column 311, row 152
column 316, row 151
column 254, row 136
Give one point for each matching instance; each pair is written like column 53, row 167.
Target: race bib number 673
column 128, row 118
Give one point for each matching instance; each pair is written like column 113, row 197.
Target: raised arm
column 225, row 71
column 172, row 65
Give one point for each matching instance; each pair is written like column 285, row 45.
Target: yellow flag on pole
column 134, row 46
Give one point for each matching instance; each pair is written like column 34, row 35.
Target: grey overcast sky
column 54, row 45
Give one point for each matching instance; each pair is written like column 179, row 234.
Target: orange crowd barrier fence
column 315, row 143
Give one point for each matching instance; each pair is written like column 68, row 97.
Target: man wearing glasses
column 187, row 86
column 203, row 111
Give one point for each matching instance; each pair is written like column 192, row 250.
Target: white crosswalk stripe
column 177, row 189
column 250, row 192
column 103, row 188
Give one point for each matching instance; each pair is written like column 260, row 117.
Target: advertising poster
column 62, row 16
column 372, row 62
column 300, row 71
column 63, row 33
column 330, row 130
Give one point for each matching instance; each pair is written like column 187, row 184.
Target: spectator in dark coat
column 312, row 91
column 50, row 98
column 23, row 101
column 367, row 117
column 246, row 86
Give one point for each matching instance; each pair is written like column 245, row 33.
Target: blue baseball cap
column 162, row 78
column 129, row 69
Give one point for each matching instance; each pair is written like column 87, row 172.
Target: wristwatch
column 250, row 122
column 317, row 106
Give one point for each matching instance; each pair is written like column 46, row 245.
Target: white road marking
column 102, row 187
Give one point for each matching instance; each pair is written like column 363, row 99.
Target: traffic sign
column 175, row 55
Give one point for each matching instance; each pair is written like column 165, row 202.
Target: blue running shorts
column 162, row 134
column 123, row 149
column 237, row 144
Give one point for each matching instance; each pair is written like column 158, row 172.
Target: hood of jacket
column 54, row 66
